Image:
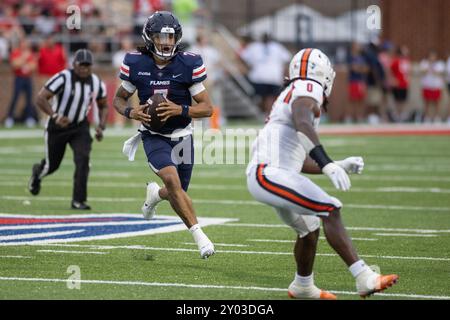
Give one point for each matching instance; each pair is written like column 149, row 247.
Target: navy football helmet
column 162, row 33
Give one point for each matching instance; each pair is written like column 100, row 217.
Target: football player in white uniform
column 288, row 145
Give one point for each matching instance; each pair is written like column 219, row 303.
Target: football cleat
column 151, row 201
column 34, row 185
column 80, row 205
column 312, row 292
column 207, row 250
column 370, row 283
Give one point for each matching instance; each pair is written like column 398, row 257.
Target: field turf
column 397, row 212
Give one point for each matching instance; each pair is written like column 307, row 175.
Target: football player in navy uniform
column 160, row 67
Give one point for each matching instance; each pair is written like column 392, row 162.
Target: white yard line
column 225, row 187
column 215, row 171
column 223, row 202
column 18, row 257
column 206, row 286
column 95, row 173
column 404, row 235
column 69, row 251
column 141, row 247
column 261, row 225
column 219, row 244
column 292, row 241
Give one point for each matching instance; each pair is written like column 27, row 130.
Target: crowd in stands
column 379, row 85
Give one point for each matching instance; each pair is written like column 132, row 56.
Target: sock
column 199, row 236
column 304, row 281
column 358, row 267
column 158, row 197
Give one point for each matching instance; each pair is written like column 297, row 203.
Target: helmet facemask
column 162, row 44
column 328, row 83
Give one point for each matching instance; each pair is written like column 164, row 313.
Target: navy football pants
column 163, row 152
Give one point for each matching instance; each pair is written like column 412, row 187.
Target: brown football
column 155, row 123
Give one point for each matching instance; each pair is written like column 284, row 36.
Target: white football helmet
column 313, row 64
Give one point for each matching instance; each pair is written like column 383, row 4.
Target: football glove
column 337, row 175
column 352, row 164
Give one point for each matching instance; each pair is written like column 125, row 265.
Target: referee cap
column 83, row 56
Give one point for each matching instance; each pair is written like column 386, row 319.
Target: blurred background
column 392, row 58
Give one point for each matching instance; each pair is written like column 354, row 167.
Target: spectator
column 45, row 23
column 23, row 63
column 400, row 69
column 357, row 90
column 25, row 18
column 432, row 82
column 52, row 57
column 262, row 56
column 386, row 57
column 10, row 27
column 212, row 60
column 190, row 13
column 4, row 47
column 96, row 23
column 374, row 80
column 448, row 88
column 117, row 59
column 142, row 10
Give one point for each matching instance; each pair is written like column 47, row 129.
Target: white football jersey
column 278, row 144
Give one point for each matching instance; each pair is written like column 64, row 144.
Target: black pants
column 80, row 140
column 23, row 84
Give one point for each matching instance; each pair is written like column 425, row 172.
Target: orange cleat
column 325, row 295
column 381, row 282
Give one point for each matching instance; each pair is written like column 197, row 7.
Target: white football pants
column 297, row 200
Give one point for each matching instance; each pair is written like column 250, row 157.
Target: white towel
column 130, row 146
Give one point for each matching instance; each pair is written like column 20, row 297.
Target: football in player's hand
column 153, row 102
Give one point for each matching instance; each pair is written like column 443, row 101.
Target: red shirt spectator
column 146, row 7
column 23, row 62
column 400, row 69
column 52, row 59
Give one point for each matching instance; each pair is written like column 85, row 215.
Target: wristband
column 320, row 156
column 54, row 116
column 185, row 111
column 127, row 112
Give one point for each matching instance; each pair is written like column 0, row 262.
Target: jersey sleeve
column 198, row 70
column 55, row 83
column 307, row 88
column 125, row 68
column 101, row 91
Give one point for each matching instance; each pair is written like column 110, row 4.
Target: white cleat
column 311, row 292
column 207, row 250
column 369, row 282
column 151, row 201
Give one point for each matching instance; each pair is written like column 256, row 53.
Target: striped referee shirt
column 73, row 97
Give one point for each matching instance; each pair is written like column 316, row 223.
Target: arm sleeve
column 55, row 83
column 196, row 88
column 198, row 70
column 131, row 88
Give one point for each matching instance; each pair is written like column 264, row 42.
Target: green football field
column 397, row 212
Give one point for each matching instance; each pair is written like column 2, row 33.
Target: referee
column 72, row 91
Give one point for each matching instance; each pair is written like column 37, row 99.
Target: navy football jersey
column 173, row 81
